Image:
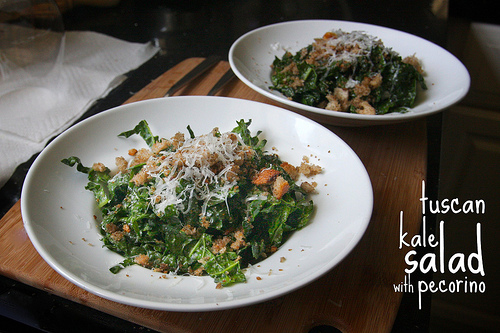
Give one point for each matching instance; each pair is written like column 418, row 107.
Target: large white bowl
column 252, row 54
column 58, row 213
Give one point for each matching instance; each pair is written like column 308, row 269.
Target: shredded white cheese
column 206, row 164
column 348, row 46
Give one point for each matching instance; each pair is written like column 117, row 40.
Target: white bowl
column 252, row 54
column 58, row 213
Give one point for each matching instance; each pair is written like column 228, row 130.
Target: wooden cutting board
column 355, row 296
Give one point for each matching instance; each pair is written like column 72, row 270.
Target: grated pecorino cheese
column 206, row 162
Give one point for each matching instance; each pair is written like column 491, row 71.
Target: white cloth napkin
column 93, row 65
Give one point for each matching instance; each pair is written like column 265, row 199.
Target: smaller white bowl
column 252, row 54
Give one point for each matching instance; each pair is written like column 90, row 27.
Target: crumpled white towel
column 93, row 65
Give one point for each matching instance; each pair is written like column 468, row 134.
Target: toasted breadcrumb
column 240, row 240
column 140, row 178
column 363, row 107
column 204, row 222
column 141, row 156
column 280, row 187
column 142, row 260
column 308, row 187
column 117, row 236
column 111, row 227
column 219, row 245
column 196, row 272
column 265, row 177
column 99, row 167
column 189, row 230
column 178, row 140
column 291, row 170
column 309, row 170
column 415, row 62
column 161, row 145
column 121, row 163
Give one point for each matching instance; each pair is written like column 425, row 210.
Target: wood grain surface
column 355, row 296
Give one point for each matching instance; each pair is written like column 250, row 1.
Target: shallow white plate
column 58, row 212
column 252, row 54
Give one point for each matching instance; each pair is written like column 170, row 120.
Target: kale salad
column 349, row 72
column 211, row 204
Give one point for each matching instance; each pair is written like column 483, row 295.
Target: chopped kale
column 312, row 75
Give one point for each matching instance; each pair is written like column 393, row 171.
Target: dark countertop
column 198, row 29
